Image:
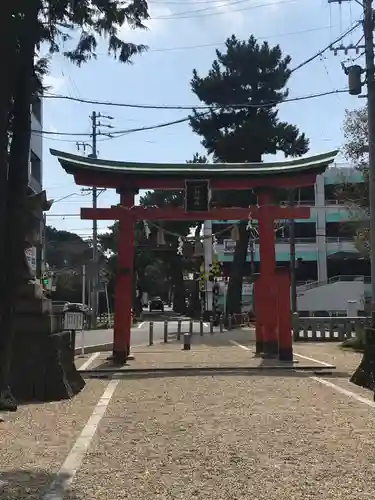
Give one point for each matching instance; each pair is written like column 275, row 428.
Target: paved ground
column 139, row 334
column 231, row 436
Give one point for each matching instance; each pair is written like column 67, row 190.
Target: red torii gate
column 272, row 287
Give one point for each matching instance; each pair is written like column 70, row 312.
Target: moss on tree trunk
column 18, row 177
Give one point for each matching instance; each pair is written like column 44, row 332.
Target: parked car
column 156, row 304
column 75, row 305
column 58, row 306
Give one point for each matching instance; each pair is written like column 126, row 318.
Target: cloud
column 231, row 16
column 241, row 17
column 52, row 128
column 54, row 83
column 156, row 25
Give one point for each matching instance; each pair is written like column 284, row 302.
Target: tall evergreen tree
column 24, row 26
column 254, row 76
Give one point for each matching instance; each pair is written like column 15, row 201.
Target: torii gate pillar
column 266, row 329
column 124, row 281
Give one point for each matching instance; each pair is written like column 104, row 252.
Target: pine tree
column 256, row 76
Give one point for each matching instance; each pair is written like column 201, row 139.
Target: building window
column 36, row 108
column 36, row 167
column 302, row 196
column 305, row 195
column 331, row 194
column 345, row 231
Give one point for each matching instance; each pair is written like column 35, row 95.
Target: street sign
column 73, row 321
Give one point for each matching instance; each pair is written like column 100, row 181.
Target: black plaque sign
column 197, row 195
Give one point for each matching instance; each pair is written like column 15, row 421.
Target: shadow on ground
column 235, row 372
column 216, row 339
column 27, row 484
column 162, row 316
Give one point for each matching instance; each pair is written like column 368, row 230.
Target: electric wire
column 191, row 14
column 120, row 133
column 218, row 44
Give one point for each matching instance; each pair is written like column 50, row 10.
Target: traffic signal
column 216, row 270
column 197, row 195
column 354, row 79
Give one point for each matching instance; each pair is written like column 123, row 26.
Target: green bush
column 357, row 344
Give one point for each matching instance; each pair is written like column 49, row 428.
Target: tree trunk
column 234, row 295
column 17, row 192
column 7, row 44
column 179, row 295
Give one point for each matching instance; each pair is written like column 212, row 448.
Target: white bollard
column 82, row 342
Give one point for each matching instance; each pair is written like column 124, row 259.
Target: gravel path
column 206, row 351
column 345, row 360
column 36, row 439
column 232, row 438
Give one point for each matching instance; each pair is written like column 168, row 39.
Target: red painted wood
column 267, row 254
column 266, row 232
column 257, row 309
column 271, row 290
column 124, row 281
column 284, row 318
column 116, row 181
column 154, row 213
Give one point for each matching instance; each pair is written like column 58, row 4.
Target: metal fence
column 329, row 328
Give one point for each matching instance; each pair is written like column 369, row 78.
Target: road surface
column 139, row 333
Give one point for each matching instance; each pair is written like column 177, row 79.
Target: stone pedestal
column 43, row 356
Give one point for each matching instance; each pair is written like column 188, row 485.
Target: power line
column 181, row 15
column 328, row 47
column 215, row 6
column 120, row 133
column 180, row 107
column 189, row 107
column 201, row 46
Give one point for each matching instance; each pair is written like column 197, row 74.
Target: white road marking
column 87, row 363
column 347, row 393
column 323, row 363
column 322, row 381
column 141, row 324
column 239, row 345
column 73, row 461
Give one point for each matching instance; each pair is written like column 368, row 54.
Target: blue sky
column 162, row 76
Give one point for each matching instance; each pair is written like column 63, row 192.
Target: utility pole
column 292, row 252
column 84, row 284
column 95, row 276
column 94, row 282
column 355, row 87
column 368, row 28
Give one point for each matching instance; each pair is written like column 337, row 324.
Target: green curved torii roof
column 75, row 163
